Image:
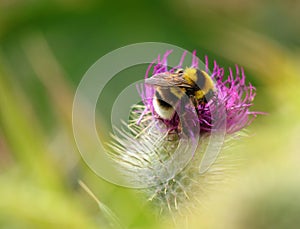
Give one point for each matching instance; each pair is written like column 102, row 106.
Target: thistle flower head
column 144, row 152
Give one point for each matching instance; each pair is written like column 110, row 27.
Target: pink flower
column 233, row 93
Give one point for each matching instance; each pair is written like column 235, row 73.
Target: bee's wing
column 167, row 80
column 156, row 81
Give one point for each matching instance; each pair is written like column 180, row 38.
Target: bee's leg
column 187, row 124
column 196, row 104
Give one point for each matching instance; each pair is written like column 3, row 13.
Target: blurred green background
column 46, row 47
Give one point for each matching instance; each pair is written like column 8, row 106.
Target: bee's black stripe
column 161, row 101
column 166, row 98
column 200, row 79
column 209, row 95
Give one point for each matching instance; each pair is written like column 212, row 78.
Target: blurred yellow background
column 46, row 47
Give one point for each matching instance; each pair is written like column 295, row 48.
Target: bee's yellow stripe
column 209, row 83
column 199, row 94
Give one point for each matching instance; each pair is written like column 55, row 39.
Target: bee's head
column 179, row 71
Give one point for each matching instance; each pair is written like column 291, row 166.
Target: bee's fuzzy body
column 170, row 88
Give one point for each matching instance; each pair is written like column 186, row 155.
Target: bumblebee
column 171, row 88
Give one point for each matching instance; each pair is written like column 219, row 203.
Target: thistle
column 146, row 149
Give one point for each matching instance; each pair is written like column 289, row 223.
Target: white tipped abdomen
column 163, row 112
